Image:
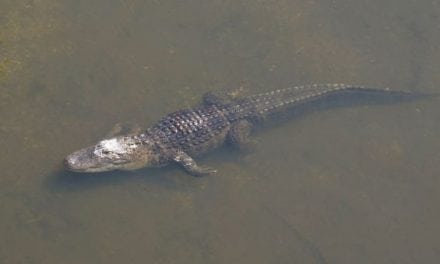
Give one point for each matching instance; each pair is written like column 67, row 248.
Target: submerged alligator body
column 182, row 135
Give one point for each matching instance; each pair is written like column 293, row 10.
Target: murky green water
column 351, row 185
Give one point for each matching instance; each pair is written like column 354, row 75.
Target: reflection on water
column 345, row 185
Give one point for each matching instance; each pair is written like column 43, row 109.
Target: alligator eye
column 105, row 152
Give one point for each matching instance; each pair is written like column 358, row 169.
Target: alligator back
column 192, row 130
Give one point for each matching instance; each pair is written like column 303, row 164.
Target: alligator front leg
column 190, row 165
column 120, row 128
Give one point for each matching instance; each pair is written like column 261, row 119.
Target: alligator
column 182, row 135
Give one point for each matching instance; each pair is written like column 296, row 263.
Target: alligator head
column 118, row 153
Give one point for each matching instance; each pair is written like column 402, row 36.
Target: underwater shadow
column 67, row 181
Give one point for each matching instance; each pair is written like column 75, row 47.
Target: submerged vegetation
column 25, row 26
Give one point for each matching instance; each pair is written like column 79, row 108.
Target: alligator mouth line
column 69, row 167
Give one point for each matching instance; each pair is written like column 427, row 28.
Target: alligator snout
column 80, row 161
column 73, row 163
column 70, row 163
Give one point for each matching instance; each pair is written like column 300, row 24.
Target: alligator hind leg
column 215, row 98
column 238, row 135
column 190, row 166
column 220, row 98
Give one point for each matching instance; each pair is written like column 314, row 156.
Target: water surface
column 347, row 185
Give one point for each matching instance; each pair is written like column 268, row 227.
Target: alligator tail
column 282, row 100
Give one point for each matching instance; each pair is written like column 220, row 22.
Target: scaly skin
column 187, row 133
